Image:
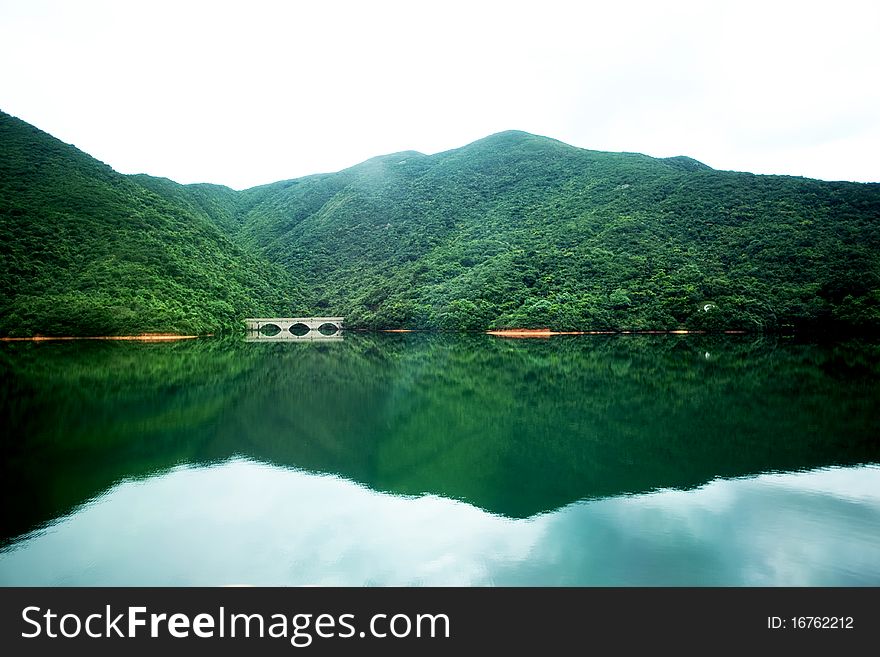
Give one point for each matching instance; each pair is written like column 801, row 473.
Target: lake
column 441, row 459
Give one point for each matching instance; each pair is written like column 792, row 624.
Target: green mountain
column 519, row 230
column 512, row 230
column 88, row 251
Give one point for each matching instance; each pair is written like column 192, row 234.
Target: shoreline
column 547, row 333
column 143, row 337
column 517, row 333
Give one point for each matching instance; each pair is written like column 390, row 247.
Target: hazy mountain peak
column 686, row 163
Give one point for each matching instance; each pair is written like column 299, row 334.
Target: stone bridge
column 287, row 323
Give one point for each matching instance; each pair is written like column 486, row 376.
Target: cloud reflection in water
column 242, row 522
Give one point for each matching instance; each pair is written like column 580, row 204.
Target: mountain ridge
column 513, row 229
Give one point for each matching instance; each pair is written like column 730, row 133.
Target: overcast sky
column 244, row 93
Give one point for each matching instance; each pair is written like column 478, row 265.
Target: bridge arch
column 328, row 328
column 299, row 328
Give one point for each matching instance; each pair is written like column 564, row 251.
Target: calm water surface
column 425, row 459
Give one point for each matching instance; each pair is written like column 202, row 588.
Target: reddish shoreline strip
column 143, row 337
column 546, row 333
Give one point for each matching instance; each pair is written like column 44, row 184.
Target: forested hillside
column 88, row 251
column 512, row 230
column 519, row 230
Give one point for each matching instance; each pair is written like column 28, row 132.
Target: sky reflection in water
column 243, row 522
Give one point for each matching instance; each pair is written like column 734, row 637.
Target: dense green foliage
column 87, row 251
column 512, row 230
column 519, row 230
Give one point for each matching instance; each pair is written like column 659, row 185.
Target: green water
column 441, row 459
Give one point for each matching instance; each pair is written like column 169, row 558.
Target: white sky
column 249, row 92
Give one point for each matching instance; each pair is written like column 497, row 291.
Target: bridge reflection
column 287, row 336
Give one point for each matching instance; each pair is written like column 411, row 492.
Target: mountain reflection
column 517, row 428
